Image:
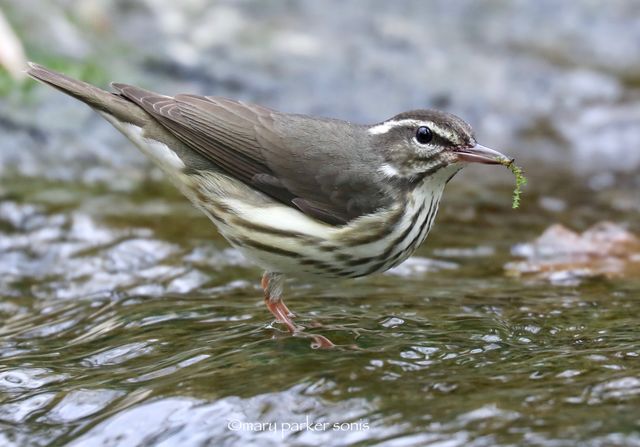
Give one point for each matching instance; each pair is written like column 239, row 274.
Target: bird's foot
column 272, row 285
column 321, row 342
column 282, row 314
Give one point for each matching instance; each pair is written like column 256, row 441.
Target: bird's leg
column 273, row 283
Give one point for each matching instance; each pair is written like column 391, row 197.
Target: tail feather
column 101, row 100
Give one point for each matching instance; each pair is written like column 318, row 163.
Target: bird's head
column 422, row 142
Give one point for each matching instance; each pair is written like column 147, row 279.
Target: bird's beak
column 481, row 154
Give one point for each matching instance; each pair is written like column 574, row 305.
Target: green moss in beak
column 521, row 180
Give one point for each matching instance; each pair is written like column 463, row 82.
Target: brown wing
column 297, row 160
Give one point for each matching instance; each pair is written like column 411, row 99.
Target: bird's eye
column 424, row 135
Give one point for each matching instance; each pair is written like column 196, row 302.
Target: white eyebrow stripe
column 385, row 127
column 443, row 132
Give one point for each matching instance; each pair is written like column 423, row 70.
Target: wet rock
column 564, row 256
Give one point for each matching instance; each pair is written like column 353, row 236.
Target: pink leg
column 272, row 284
column 279, row 305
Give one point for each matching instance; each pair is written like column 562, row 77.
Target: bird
column 300, row 196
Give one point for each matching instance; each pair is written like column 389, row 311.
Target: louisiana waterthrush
column 298, row 195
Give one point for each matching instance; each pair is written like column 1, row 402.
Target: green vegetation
column 521, row 180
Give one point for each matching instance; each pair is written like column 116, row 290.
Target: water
column 126, row 320
column 132, row 325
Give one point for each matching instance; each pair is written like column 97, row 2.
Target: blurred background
column 120, row 304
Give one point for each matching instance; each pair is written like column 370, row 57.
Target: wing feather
column 297, row 160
